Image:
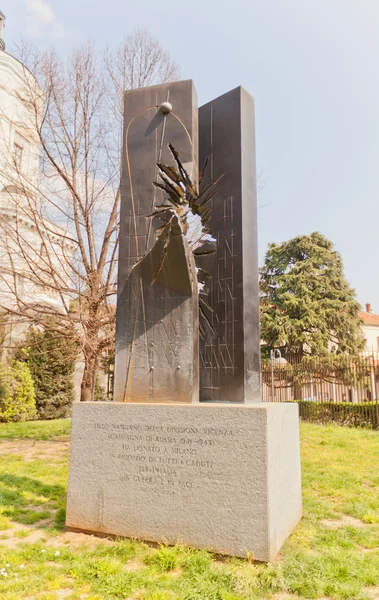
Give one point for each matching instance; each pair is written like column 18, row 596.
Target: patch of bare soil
column 133, row 565
column 75, row 540
column 344, row 521
column 64, row 592
column 368, row 550
column 12, row 541
column 285, row 596
column 61, row 594
column 373, row 592
column 30, row 450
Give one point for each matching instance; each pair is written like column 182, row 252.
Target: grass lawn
column 333, row 554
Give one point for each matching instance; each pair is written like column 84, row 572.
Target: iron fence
column 337, row 389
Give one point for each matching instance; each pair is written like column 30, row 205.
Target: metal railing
column 336, row 389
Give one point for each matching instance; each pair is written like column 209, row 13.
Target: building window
column 19, row 148
column 43, row 252
column 17, row 155
column 20, row 285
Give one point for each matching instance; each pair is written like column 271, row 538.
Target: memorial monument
column 187, row 451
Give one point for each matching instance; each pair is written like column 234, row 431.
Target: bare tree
column 59, row 234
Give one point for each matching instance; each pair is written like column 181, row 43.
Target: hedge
column 364, row 414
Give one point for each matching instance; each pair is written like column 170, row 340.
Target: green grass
column 37, row 430
column 340, row 484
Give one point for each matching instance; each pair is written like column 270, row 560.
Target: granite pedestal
column 217, row 476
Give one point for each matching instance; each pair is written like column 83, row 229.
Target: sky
column 313, row 69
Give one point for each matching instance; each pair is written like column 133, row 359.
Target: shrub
column 17, row 396
column 99, row 392
column 51, row 360
column 364, row 414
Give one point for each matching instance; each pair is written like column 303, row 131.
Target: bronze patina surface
column 157, row 330
column 187, row 311
column 230, row 358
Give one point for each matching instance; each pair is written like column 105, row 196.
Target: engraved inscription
column 165, row 459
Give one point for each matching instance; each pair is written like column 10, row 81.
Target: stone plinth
column 221, row 477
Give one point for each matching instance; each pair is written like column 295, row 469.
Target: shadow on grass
column 27, row 484
column 13, row 491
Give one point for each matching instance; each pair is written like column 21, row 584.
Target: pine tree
column 307, row 306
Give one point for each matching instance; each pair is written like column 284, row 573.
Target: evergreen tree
column 51, row 361
column 17, row 397
column 307, row 306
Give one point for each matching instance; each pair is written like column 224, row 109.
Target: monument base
column 217, row 476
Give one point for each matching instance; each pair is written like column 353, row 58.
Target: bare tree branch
column 59, row 223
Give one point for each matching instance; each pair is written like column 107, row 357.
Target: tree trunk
column 298, row 384
column 88, row 381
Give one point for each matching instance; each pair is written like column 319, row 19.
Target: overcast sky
column 313, row 68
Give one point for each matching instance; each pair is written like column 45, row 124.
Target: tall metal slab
column 154, row 322
column 230, row 358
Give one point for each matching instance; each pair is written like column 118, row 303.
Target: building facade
column 31, row 246
column 370, row 330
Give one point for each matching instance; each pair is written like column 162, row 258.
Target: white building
column 30, row 247
column 370, row 330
